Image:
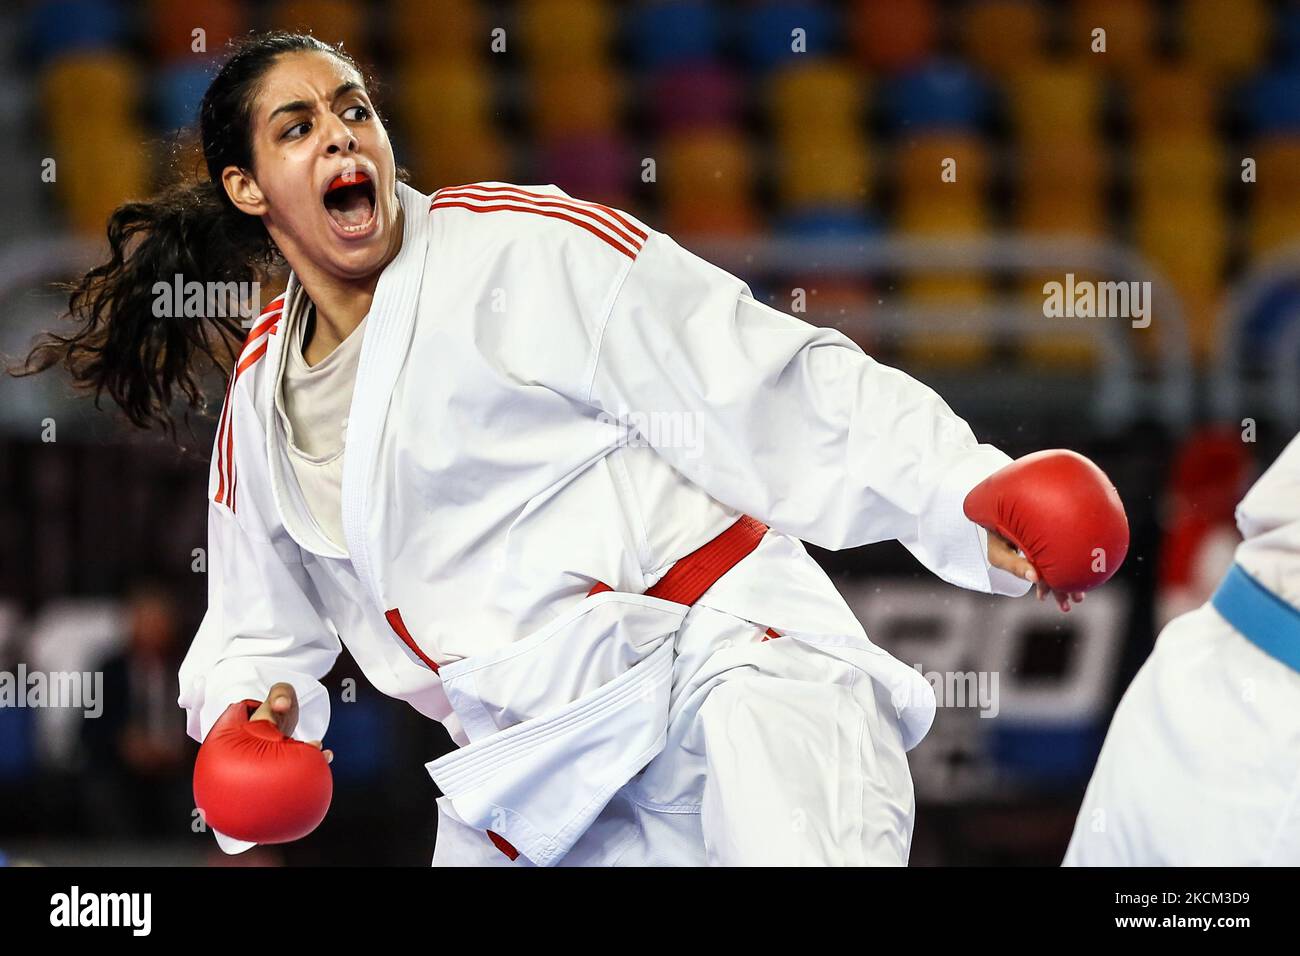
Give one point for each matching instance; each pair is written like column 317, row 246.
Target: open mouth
column 350, row 202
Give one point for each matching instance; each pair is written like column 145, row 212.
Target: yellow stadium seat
column 1271, row 226
column 1130, row 30
column 106, row 169
column 1058, row 102
column 583, row 99
column 1188, row 243
column 707, row 182
column 955, row 218
column 823, row 171
column 88, row 93
column 333, row 21
column 444, row 98
column 1078, row 212
column 1171, row 99
column 438, row 28
column 1003, row 36
column 1185, row 236
column 1179, row 168
column 1226, row 37
column 565, row 33
column 821, row 97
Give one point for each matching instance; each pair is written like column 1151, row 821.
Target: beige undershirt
column 314, row 401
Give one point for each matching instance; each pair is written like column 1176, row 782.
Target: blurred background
column 802, row 146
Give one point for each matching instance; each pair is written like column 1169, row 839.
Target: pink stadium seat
column 694, row 95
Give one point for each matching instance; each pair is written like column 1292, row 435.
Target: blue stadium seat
column 768, row 31
column 1288, row 36
column 1273, row 101
column 60, row 26
column 670, row 34
column 939, row 95
column 830, row 221
column 178, row 92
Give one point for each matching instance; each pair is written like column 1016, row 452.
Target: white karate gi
column 519, row 348
column 1201, row 765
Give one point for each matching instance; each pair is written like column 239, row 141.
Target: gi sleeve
column 791, row 423
column 261, row 627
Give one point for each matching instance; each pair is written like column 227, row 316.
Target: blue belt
column 1259, row 615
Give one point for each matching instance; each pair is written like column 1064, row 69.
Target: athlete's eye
column 288, row 133
column 365, row 113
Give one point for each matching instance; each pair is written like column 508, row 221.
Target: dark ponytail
column 192, row 229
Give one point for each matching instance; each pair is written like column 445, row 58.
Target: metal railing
column 1234, row 390
column 1122, row 391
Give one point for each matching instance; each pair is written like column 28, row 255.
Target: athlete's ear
column 243, row 191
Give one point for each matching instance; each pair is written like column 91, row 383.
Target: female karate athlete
column 427, row 451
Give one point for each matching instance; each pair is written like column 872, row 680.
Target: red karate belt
column 685, row 582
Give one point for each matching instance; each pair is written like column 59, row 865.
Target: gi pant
column 776, row 753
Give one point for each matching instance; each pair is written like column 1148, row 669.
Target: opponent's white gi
column 520, row 350
column 1201, row 765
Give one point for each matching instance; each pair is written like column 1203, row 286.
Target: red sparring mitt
column 1061, row 511
column 253, row 783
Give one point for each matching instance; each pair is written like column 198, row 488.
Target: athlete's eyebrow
column 300, row 105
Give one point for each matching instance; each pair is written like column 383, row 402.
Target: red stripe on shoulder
column 606, row 224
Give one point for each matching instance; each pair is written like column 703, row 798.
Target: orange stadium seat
column 1170, row 100
column 438, row 28
column 816, row 97
column 1057, row 102
column 1225, row 37
column 85, row 94
column 836, row 302
column 1130, row 32
column 706, row 178
column 1277, row 173
column 478, row 157
column 584, row 99
column 333, row 21
column 1043, row 168
column 919, row 163
column 565, row 33
column 1004, row 36
column 893, row 36
column 820, row 171
column 172, row 26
